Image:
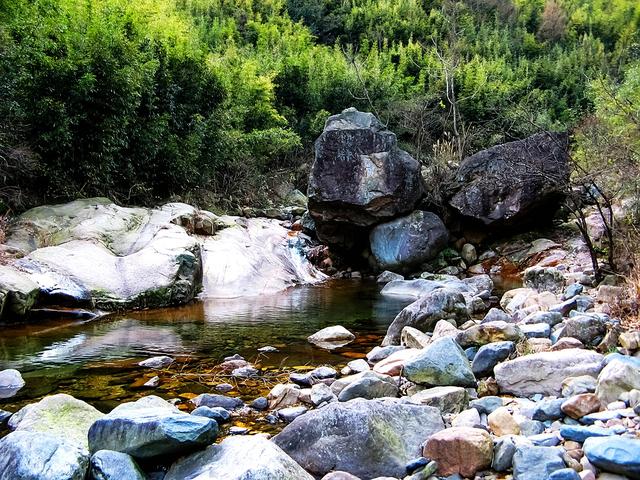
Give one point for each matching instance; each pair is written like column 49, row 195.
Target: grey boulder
column 110, row 465
column 535, row 463
column 151, row 427
column 544, row 372
column 513, row 183
column 238, row 458
column 367, row 438
column 359, row 177
column 41, row 456
column 424, row 313
column 442, row 363
column 408, row 241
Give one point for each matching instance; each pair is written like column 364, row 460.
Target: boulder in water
column 359, row 177
column 408, row 241
column 10, row 382
column 151, row 427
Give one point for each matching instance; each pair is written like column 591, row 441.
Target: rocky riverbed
column 541, row 385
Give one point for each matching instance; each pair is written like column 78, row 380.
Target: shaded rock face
column 41, row 456
column 359, row 177
column 110, row 465
column 367, row 438
column 509, row 184
column 239, row 458
column 408, row 241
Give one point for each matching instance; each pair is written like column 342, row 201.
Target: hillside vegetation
column 206, row 99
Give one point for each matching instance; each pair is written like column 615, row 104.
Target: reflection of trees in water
column 211, row 328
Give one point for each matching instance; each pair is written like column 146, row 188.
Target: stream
column 96, row 361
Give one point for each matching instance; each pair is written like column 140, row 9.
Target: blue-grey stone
column 442, row 363
column 503, row 451
column 550, row 318
column 215, row 400
column 631, row 361
column 289, row 414
column 489, row 356
column 614, row 454
column 536, row 330
column 146, row 429
column 471, row 353
column 531, row 427
column 486, row 405
column 536, row 463
column 110, row 465
column 218, row 414
column 565, row 474
column 564, row 307
column 586, row 328
column 549, row 409
column 545, row 439
column 416, row 464
column 579, row 433
column 408, row 241
column 4, row 418
column 602, row 416
column 41, row 456
column 584, row 303
column 572, row 290
column 370, row 385
column 260, row 403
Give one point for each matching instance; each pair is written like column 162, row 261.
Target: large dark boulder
column 514, row 183
column 408, row 241
column 359, row 177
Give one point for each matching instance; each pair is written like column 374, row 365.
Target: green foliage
column 147, row 99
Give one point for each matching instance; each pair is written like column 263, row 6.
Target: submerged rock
column 367, row 438
column 41, row 456
column 239, row 458
column 151, row 427
column 408, row 241
column 359, row 177
column 513, row 183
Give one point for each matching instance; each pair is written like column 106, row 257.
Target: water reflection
column 98, row 359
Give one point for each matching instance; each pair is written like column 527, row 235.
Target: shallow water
column 96, row 361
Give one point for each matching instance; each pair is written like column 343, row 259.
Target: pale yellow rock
column 501, row 422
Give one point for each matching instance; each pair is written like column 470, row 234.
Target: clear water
column 96, row 361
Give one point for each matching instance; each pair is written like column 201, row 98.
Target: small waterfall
column 256, row 257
